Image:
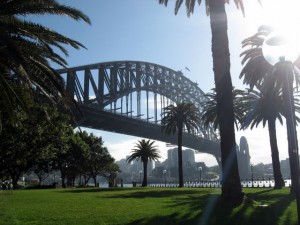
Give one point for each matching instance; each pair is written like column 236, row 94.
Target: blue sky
column 146, row 31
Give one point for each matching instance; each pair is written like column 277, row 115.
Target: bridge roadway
column 113, row 122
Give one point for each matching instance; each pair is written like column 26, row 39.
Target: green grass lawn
column 147, row 206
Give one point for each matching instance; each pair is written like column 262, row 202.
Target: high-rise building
column 285, row 168
column 188, row 156
column 172, row 160
column 243, row 158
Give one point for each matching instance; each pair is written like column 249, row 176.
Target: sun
column 282, row 15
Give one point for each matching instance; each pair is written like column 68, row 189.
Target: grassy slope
column 145, row 206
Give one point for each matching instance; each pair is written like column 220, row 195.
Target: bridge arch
column 118, row 87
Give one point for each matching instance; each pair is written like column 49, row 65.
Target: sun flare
column 282, row 15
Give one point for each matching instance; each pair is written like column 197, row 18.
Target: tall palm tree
column 258, row 72
column 144, row 151
column 231, row 187
column 176, row 118
column 27, row 48
column 266, row 106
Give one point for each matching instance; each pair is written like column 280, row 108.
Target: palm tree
column 257, row 72
column 231, row 187
column 144, row 151
column 27, row 48
column 209, row 111
column 266, row 106
column 176, row 118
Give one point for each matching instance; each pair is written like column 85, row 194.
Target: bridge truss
column 133, row 91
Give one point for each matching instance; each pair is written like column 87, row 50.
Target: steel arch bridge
column 128, row 97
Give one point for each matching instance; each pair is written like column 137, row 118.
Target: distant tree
column 76, row 160
column 177, row 118
column 99, row 159
column 110, row 172
column 73, row 151
column 144, row 151
column 42, row 170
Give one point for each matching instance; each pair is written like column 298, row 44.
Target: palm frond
column 182, row 115
column 178, row 5
column 26, row 48
column 40, row 7
column 144, row 151
column 164, row 2
column 209, row 113
column 263, row 105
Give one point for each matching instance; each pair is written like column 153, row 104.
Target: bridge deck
column 104, row 120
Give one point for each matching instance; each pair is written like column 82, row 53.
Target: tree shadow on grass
column 273, row 208
column 194, row 207
column 199, row 211
column 172, row 219
column 212, row 210
column 155, row 193
column 263, row 194
column 94, row 189
column 138, row 192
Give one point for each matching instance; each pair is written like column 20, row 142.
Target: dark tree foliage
column 98, row 160
column 28, row 48
column 30, row 140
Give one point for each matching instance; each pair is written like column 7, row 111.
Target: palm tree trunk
column 288, row 98
column 180, row 168
column 279, row 182
column 231, row 186
column 145, row 164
